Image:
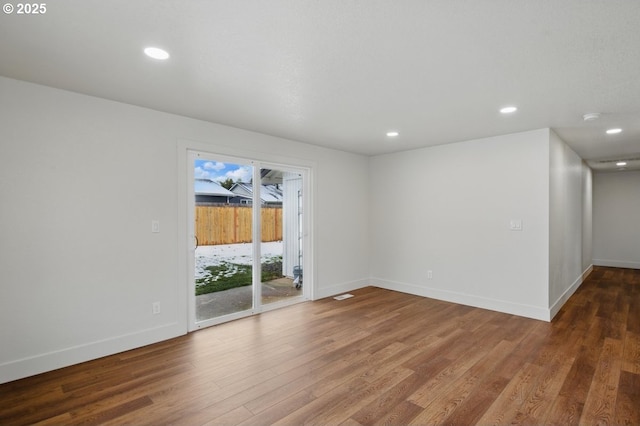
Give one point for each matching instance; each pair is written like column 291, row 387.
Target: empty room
column 320, row 212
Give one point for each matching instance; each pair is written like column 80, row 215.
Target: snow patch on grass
column 238, row 254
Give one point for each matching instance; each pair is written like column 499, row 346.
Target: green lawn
column 231, row 275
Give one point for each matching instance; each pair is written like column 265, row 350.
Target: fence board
column 231, row 224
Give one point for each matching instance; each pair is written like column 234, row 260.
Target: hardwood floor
column 379, row 358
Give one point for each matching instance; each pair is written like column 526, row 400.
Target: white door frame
column 186, row 245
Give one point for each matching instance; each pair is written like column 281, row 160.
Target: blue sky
column 217, row 171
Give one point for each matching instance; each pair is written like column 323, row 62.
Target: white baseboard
column 528, row 311
column 30, row 366
column 37, row 364
column 555, row 308
column 340, row 288
column 616, row 263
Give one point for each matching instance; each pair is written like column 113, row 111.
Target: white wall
column 616, row 213
column 81, row 178
column 569, row 222
column 292, row 208
column 448, row 209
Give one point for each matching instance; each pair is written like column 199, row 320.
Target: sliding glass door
column 247, row 225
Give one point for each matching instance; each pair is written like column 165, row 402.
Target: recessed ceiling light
column 156, row 53
column 591, row 116
column 621, row 163
column 392, row 134
column 613, row 131
column 508, row 109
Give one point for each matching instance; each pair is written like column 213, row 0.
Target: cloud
column 217, row 166
column 200, row 173
column 242, row 174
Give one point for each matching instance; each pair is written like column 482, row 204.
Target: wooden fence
column 232, row 224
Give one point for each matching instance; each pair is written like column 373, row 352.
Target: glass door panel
column 223, row 217
column 281, row 245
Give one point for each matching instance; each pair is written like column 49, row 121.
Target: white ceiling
column 341, row 73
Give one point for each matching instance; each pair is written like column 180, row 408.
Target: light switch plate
column 155, row 226
column 516, row 224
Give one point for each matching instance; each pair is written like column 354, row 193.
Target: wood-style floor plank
column 381, row 357
column 599, row 408
column 627, row 400
column 631, row 356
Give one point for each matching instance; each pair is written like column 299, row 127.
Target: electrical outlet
column 155, row 308
column 429, row 275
